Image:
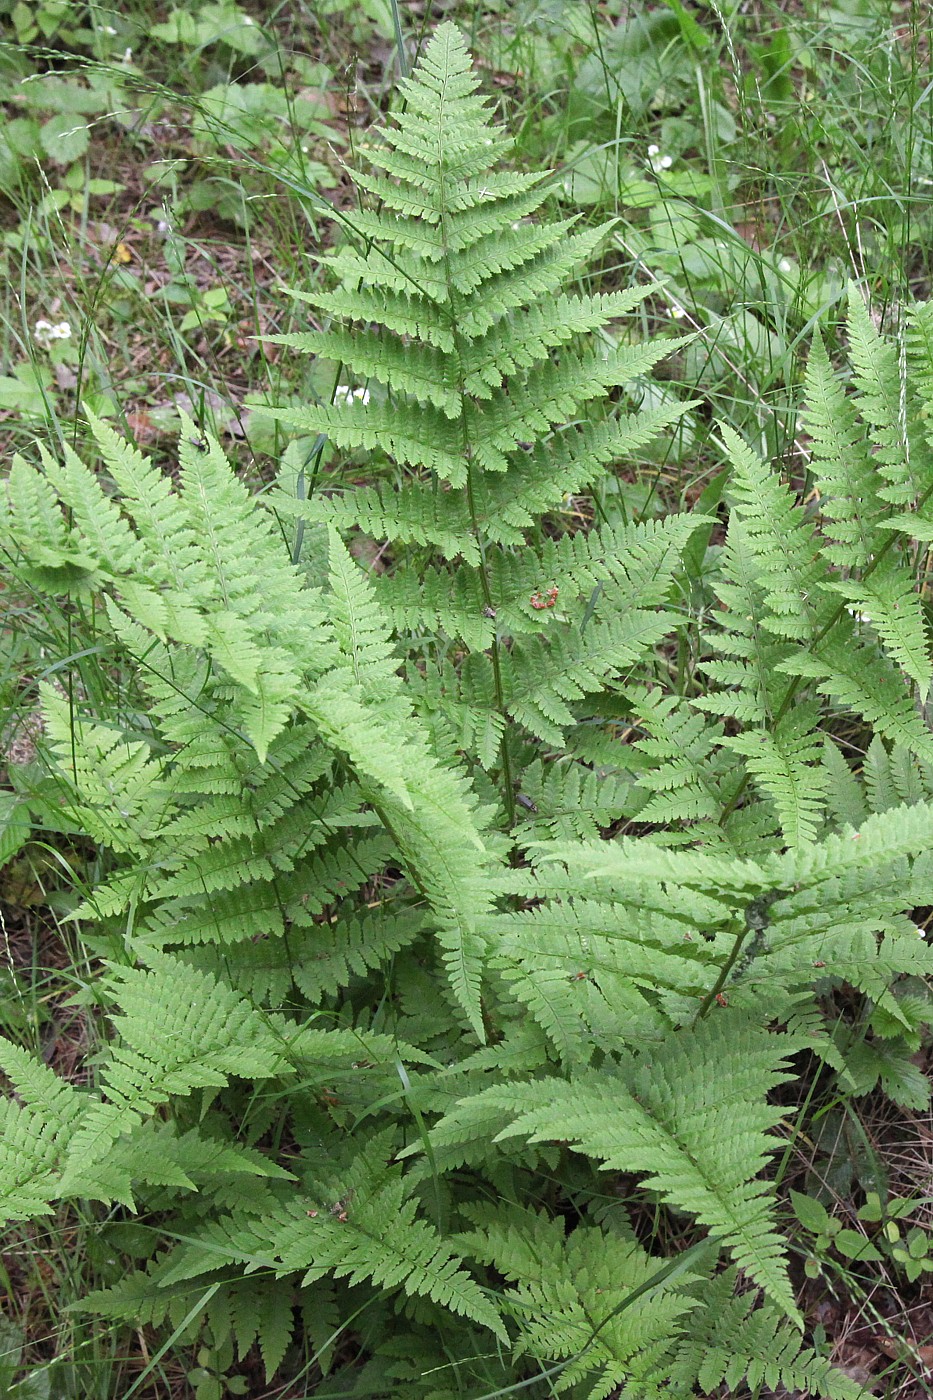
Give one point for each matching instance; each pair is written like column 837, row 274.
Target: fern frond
column 163, row 526
column 877, row 381
column 888, row 600
column 631, row 566
column 413, row 435
column 784, row 549
column 919, row 346
column 844, row 796
column 361, row 1226
column 116, row 784
column 586, row 970
column 437, row 600
column 53, row 555
column 181, row 1030
column 573, row 800
column 659, row 1118
column 539, row 480
column 745, row 652
column 527, row 338
column 35, row 1133
column 96, row 517
column 414, row 514
column 684, row 776
column 541, row 680
column 786, row 764
column 568, row 1295
column 417, row 370
column 727, row 1339
column 857, row 675
column 549, row 395
column 143, row 1297
column 424, row 234
column 843, row 466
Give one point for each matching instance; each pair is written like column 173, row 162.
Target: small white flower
column 127, row 56
column 921, row 932
column 45, row 332
column 248, row 20
column 658, row 162
column 109, row 30
column 344, row 394
column 784, row 265
column 666, row 162
column 859, row 616
column 677, row 311
column 653, row 151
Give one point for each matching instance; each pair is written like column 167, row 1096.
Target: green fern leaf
column 362, row 1227
column 659, row 1119
column 787, row 765
column 877, row 380
column 843, row 466
column 784, row 549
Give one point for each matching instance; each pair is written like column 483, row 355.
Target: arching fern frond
column 656, row 1116
column 361, row 1224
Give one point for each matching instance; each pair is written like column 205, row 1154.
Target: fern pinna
column 393, row 1027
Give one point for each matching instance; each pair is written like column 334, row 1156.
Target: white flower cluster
column 344, row 394
column 45, row 332
column 657, row 161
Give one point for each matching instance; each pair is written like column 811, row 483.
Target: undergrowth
column 458, row 942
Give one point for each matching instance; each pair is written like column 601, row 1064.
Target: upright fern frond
column 784, row 548
column 878, row 398
column 843, row 466
column 786, row 764
column 479, row 378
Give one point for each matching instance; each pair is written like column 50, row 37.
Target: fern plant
column 446, row 930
